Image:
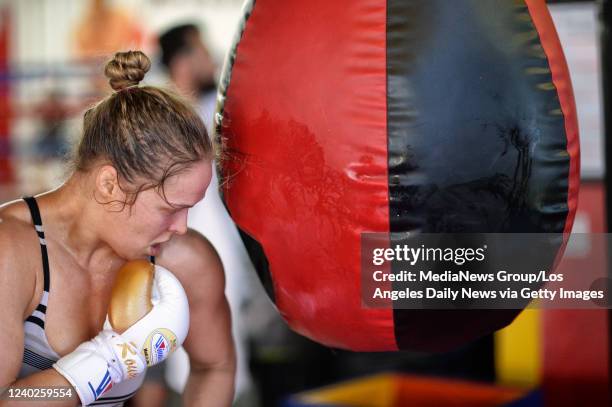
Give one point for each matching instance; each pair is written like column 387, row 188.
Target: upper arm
column 195, row 262
column 17, row 285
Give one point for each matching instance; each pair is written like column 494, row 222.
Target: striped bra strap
column 38, row 316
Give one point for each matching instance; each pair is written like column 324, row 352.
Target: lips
column 155, row 249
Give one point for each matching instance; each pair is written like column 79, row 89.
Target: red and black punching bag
column 343, row 117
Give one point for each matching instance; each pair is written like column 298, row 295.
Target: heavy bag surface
column 342, row 117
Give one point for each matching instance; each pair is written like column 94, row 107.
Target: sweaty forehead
column 189, row 186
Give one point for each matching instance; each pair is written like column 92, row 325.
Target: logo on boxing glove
column 158, row 345
column 104, row 386
column 131, row 365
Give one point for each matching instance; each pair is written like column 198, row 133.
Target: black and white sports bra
column 37, row 353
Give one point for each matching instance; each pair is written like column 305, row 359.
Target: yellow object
column 518, row 351
column 376, row 391
column 131, row 295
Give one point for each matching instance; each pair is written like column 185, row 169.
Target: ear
column 107, row 184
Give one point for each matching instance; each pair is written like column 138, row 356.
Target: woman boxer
column 144, row 159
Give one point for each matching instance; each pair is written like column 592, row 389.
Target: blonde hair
column 147, row 133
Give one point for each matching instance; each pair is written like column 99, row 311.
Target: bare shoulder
column 16, row 209
column 194, row 261
column 16, row 238
column 17, row 290
column 17, row 274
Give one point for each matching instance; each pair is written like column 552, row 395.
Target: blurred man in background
column 190, row 66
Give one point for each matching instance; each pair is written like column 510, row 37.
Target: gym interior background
column 51, row 59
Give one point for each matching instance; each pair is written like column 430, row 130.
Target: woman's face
column 153, row 220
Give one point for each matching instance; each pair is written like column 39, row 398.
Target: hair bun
column 127, row 69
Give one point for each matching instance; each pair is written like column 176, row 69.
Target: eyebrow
column 183, row 205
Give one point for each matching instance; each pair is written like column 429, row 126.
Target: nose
column 179, row 226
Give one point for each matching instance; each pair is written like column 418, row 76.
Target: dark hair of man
column 176, row 41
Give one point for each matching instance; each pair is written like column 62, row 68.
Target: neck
column 76, row 221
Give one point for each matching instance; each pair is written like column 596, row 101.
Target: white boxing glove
column 94, row 366
column 165, row 327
